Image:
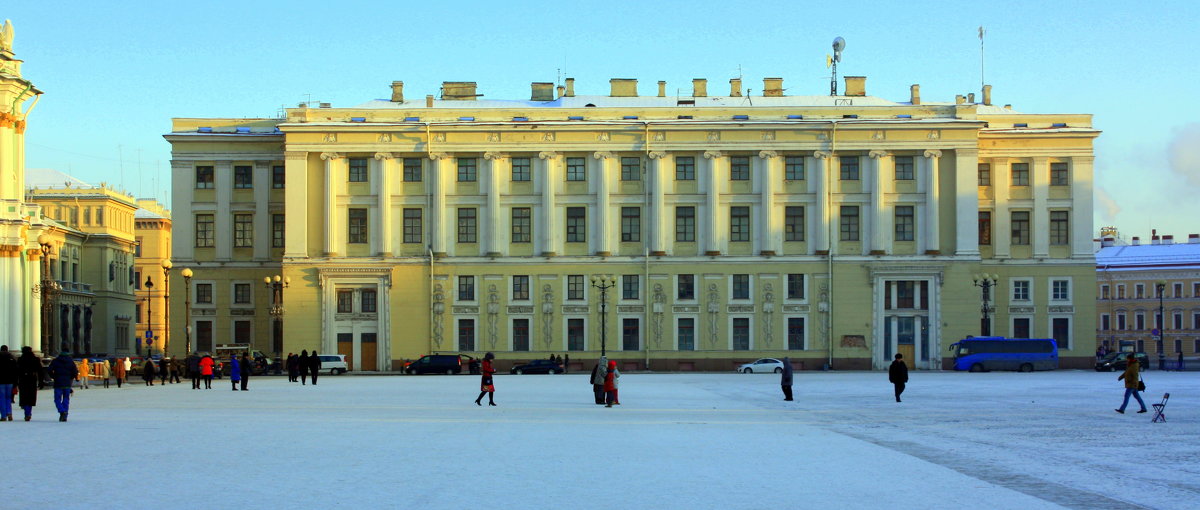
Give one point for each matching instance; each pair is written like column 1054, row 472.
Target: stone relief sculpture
column 439, row 311
column 659, row 302
column 714, row 310
column 493, row 311
column 547, row 315
column 768, row 313
column 6, row 36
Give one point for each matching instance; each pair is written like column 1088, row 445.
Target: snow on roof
column 146, row 214
column 637, row 102
column 51, row 178
column 1148, row 256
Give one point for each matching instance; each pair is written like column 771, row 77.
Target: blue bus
column 980, row 354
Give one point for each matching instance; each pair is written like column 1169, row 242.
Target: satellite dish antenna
column 839, row 44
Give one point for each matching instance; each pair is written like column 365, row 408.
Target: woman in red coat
column 486, row 387
column 610, row 384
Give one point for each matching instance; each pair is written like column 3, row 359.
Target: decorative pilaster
column 1040, row 228
column 966, row 201
column 1001, row 218
column 881, row 165
column 333, row 164
column 262, row 213
column 223, row 177
column 498, row 162
column 821, row 243
column 1081, row 207
column 716, row 163
column 552, row 164
column 933, row 244
column 657, row 214
column 604, row 173
column 295, row 213
column 769, row 237
column 386, row 168
column 439, row 217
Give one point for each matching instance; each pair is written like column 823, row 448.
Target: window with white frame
column 685, row 287
column 520, row 287
column 795, row 333
column 466, row 334
column 520, row 334
column 1104, row 292
column 1139, row 291
column 1105, row 323
column 631, row 336
column 466, row 288
column 1021, row 289
column 576, row 335
column 685, row 333
column 630, row 287
column 740, row 333
column 575, row 287
column 1139, row 321
column 1060, row 290
column 795, row 286
column 740, row 286
column 1060, row 331
column 1122, row 324
column 1022, row 327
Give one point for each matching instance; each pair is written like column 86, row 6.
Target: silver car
column 762, row 366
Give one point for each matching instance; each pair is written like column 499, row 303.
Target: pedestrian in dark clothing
column 566, row 362
column 302, row 363
column 148, row 372
column 598, row 373
column 235, row 374
column 786, row 379
column 486, row 386
column 8, row 379
column 193, row 369
column 610, row 385
column 29, row 380
column 1132, row 378
column 164, row 371
column 64, row 372
column 176, row 367
column 1180, row 364
column 1162, row 361
column 898, row 374
column 245, row 370
column 314, row 366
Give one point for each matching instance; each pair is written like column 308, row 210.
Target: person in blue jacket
column 235, row 373
column 63, row 371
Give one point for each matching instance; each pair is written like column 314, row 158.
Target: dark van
column 436, row 364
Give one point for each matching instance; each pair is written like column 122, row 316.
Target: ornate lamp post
column 1160, row 287
column 149, row 318
column 166, row 265
column 276, row 284
column 49, row 290
column 187, row 308
column 986, row 282
column 603, row 282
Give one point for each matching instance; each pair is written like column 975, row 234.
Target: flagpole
column 982, row 81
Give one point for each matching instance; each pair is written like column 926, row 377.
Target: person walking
column 486, row 386
column 1132, row 378
column 206, row 370
column 235, row 372
column 292, row 369
column 148, row 372
column 245, row 371
column 302, row 363
column 193, row 369
column 29, row 380
column 120, row 370
column 898, row 374
column 164, row 370
column 566, row 363
column 598, row 373
column 128, row 367
column 63, row 371
column 85, row 373
column 176, row 368
column 314, row 366
column 9, row 370
column 1179, row 365
column 786, row 379
column 610, row 384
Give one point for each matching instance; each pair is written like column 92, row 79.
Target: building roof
column 49, row 178
column 1147, row 257
column 146, row 214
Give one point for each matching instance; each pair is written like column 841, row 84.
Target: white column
column 223, row 176
column 34, row 312
column 882, row 170
column 334, row 165
column 498, row 166
column 716, row 163
column 769, row 237
column 1001, row 221
column 262, row 213
column 932, row 222
column 552, row 164
column 1040, row 227
column 295, row 190
column 604, row 174
column 819, row 184
column 966, row 202
column 1081, row 207
column 659, row 162
column 386, row 169
column 439, row 217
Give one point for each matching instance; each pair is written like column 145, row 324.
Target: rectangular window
column 1060, row 328
column 905, row 223
column 277, row 230
column 576, row 224
column 204, row 335
column 522, row 226
column 467, row 227
column 630, row 336
column 520, row 334
column 739, row 224
column 243, row 230
column 1139, row 321
column 741, row 286
column 1020, row 174
column 1021, row 327
column 345, row 301
column 241, row 293
column 241, row 332
column 575, row 287
column 467, row 170
column 1059, row 175
column 631, row 169
column 630, row 288
column 795, row 333
column 575, row 335
column 1105, row 323
column 1060, row 290
column 741, row 333
column 1196, row 289
column 686, row 334
column 1104, row 292
column 849, row 167
column 685, row 224
column 137, row 314
column 1121, row 322
column 1121, row 291
column 358, row 226
column 685, row 168
column 904, row 168
column 369, row 301
column 1060, row 231
column 137, row 247
column 577, row 169
column 739, row 168
column 466, row 334
column 204, row 177
column 985, row 228
column 412, row 226
column 204, row 293
column 1020, row 290
column 278, row 176
column 849, row 223
column 1139, row 291
column 243, row 177
column 520, row 288
column 687, row 287
column 793, row 168
column 1177, row 289
column 358, row 170
column 466, row 288
column 205, row 230
column 793, row 223
column 795, row 286
column 1020, row 227
column 1177, row 320
column 412, row 170
column 985, row 174
column 631, row 224
column 521, row 169
column 137, row 280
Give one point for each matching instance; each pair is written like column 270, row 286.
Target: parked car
column 1116, row 361
column 762, row 366
column 436, row 364
column 336, row 363
column 538, row 366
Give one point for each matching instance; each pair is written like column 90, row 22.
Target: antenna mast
column 838, row 45
column 981, row 79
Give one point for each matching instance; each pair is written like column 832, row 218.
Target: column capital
column 495, row 155
column 604, row 155
column 439, row 155
column 657, row 154
column 713, row 154
column 549, row 155
column 933, row 153
column 295, row 155
column 768, row 154
column 383, row 156
column 822, row 154
column 331, row 155
column 876, row 154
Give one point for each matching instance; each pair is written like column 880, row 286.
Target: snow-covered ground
column 959, row 440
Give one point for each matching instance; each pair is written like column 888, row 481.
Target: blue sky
column 114, row 76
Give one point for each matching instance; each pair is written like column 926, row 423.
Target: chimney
column 987, row 95
column 397, row 92
column 461, row 90
column 699, row 87
column 959, row 99
column 971, row 98
column 561, row 90
column 1155, row 241
column 429, row 101
column 772, row 87
column 1137, row 241
column 662, row 88
column 541, row 91
column 1193, row 238
column 856, row 85
column 914, row 94
column 735, row 87
column 1168, row 239
column 1106, row 242
column 570, row 87
column 622, row 87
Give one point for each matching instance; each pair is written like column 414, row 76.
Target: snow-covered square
column 959, row 440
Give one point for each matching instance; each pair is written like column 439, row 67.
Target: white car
column 762, row 366
column 334, row 363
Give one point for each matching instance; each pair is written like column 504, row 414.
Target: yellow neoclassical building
column 837, row 230
column 152, row 264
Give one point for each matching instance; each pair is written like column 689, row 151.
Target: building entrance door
column 905, row 324
column 345, row 347
column 370, row 353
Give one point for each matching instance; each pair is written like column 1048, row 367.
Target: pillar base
column 330, row 254
column 933, row 252
column 604, row 254
column 821, row 253
column 712, row 254
column 493, row 254
column 549, row 254
column 767, row 253
column 439, row 254
column 658, row 254
column 877, row 252
column 386, row 254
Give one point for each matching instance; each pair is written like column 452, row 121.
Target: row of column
column 1039, row 208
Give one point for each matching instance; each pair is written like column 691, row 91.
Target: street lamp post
column 603, row 282
column 166, row 265
column 276, row 284
column 986, row 282
column 48, row 288
column 187, row 308
column 1161, row 288
column 149, row 318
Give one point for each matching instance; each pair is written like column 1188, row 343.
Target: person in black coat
column 245, row 371
column 898, row 374
column 30, row 375
column 314, row 365
column 148, row 372
column 8, row 379
column 193, row 369
column 786, row 379
column 64, row 372
column 302, row 364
